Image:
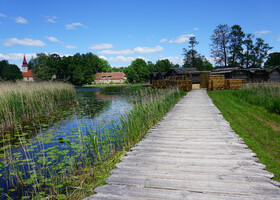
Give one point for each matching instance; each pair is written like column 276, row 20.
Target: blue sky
column 120, row 31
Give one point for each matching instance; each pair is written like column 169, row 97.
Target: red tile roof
column 28, row 74
column 114, row 76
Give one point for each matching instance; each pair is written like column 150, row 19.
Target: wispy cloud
column 70, row 47
column 163, row 40
column 262, row 32
column 74, row 25
column 195, row 29
column 24, row 42
column 181, row 38
column 278, row 40
column 2, row 15
column 53, row 39
column 51, row 19
column 21, row 20
column 124, row 51
column 144, row 50
column 148, row 49
column 16, row 56
column 101, row 46
column 174, row 60
column 122, row 59
column 19, row 56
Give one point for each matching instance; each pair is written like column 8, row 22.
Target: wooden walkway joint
column 191, row 154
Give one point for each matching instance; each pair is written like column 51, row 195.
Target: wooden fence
column 175, row 81
column 214, row 82
column 218, row 82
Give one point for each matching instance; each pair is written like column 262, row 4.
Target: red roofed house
column 26, row 73
column 115, row 77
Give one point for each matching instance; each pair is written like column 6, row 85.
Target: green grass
column 256, row 123
column 264, row 95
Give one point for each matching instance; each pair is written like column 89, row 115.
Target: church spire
column 24, row 63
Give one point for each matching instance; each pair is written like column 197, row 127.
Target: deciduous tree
column 220, row 44
column 273, row 60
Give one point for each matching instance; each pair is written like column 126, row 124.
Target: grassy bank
column 22, row 101
column 252, row 116
column 59, row 172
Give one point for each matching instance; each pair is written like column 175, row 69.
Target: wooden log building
column 274, row 74
column 249, row 75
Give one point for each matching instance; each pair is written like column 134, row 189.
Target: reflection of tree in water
column 89, row 105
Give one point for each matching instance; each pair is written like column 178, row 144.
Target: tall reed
column 22, row 101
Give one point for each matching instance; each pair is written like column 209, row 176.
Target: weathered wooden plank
column 263, row 189
column 126, row 192
column 245, row 170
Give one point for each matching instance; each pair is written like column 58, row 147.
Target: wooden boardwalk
column 191, row 154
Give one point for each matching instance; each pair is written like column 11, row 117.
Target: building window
column 103, row 76
column 109, row 76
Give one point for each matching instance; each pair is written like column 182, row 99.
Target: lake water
column 55, row 142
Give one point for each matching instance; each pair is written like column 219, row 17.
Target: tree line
column 80, row 68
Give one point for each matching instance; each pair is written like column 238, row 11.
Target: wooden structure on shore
column 219, row 82
column 255, row 75
column 274, row 75
column 176, row 81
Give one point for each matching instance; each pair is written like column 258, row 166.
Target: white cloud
column 74, row 25
column 145, row 50
column 174, row 60
column 148, row 49
column 17, row 56
column 20, row 20
column 163, row 40
column 51, row 19
column 101, row 46
column 70, row 47
column 53, row 39
column 2, row 15
column 25, row 42
column 196, row 29
column 181, row 38
column 122, row 59
column 259, row 33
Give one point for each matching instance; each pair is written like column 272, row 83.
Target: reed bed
column 22, row 101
